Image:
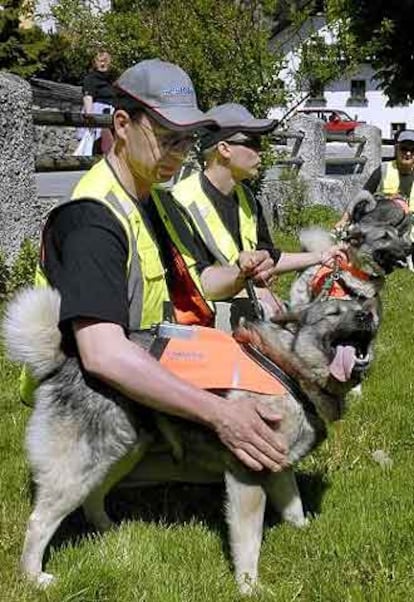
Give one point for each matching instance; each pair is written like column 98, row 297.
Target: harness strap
column 287, row 381
column 254, row 301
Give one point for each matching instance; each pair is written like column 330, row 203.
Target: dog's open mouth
column 350, row 356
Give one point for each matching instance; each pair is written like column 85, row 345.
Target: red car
column 336, row 120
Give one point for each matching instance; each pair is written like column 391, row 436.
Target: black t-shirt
column 86, row 252
column 98, row 84
column 227, row 208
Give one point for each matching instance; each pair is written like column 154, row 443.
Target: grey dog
column 83, row 436
column 378, row 235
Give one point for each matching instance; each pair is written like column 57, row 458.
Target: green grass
column 170, row 544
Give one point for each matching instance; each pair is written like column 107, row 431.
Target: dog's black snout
column 363, row 316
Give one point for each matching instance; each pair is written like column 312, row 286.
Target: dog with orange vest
column 82, row 435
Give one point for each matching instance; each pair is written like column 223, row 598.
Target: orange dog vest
column 212, row 359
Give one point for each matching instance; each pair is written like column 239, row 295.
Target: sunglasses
column 168, row 140
column 253, row 143
column 404, row 148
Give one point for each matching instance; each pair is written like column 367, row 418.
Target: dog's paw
column 299, row 522
column 247, row 586
column 42, row 580
column 355, row 392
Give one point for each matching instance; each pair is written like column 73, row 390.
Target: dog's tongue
column 343, row 363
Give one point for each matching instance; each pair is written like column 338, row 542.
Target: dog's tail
column 315, row 239
column 31, row 331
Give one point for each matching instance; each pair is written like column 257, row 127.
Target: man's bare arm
column 246, row 427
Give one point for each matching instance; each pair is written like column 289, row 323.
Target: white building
column 358, row 94
column 45, row 20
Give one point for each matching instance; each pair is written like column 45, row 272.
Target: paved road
column 56, row 184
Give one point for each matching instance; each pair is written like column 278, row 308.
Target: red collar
column 346, row 266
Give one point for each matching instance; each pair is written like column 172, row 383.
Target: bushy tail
column 315, row 239
column 30, row 329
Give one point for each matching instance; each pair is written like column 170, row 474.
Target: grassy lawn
column 170, row 544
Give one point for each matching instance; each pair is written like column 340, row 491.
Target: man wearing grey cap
column 224, row 212
column 399, row 173
column 108, row 259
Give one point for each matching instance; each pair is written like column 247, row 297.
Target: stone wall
column 22, row 213
column 56, row 142
column 334, row 191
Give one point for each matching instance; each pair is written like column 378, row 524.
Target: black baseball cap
column 236, row 124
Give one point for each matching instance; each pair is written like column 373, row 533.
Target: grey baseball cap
column 236, row 124
column 166, row 92
column 405, row 136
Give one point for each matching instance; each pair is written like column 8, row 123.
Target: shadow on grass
column 179, row 503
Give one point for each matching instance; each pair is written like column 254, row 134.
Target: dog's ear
column 363, row 203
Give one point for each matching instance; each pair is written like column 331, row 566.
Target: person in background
column 394, row 178
column 222, row 207
column 98, row 98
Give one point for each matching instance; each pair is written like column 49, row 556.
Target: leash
column 254, row 301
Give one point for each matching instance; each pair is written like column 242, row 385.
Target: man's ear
column 121, row 121
column 224, row 149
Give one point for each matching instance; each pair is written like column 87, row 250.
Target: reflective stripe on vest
column 147, row 286
column 391, row 183
column 220, row 242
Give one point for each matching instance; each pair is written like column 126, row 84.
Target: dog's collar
column 290, row 384
column 327, row 281
column 346, row 266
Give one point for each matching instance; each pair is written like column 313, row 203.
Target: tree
column 20, row 48
column 383, row 30
column 222, row 44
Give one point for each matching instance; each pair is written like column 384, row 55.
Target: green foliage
column 23, row 269
column 294, row 202
column 20, row 48
column 61, row 63
column 319, row 215
column 384, row 29
column 223, row 45
column 4, row 275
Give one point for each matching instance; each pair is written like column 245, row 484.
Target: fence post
column 372, row 150
column 17, row 168
column 312, row 147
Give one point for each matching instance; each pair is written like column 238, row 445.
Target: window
column 395, row 128
column 316, row 94
column 358, row 93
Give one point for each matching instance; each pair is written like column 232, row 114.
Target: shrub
column 23, row 269
column 4, row 275
column 319, row 215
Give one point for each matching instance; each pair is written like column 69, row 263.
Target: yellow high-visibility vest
column 147, row 285
column 391, row 183
column 220, row 242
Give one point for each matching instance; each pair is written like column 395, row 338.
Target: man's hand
column 247, row 427
column 257, row 265
column 333, row 255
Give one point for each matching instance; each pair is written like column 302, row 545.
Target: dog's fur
column 378, row 234
column 83, row 436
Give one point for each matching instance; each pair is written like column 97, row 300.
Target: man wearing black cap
column 100, row 251
column 223, row 209
column 394, row 178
